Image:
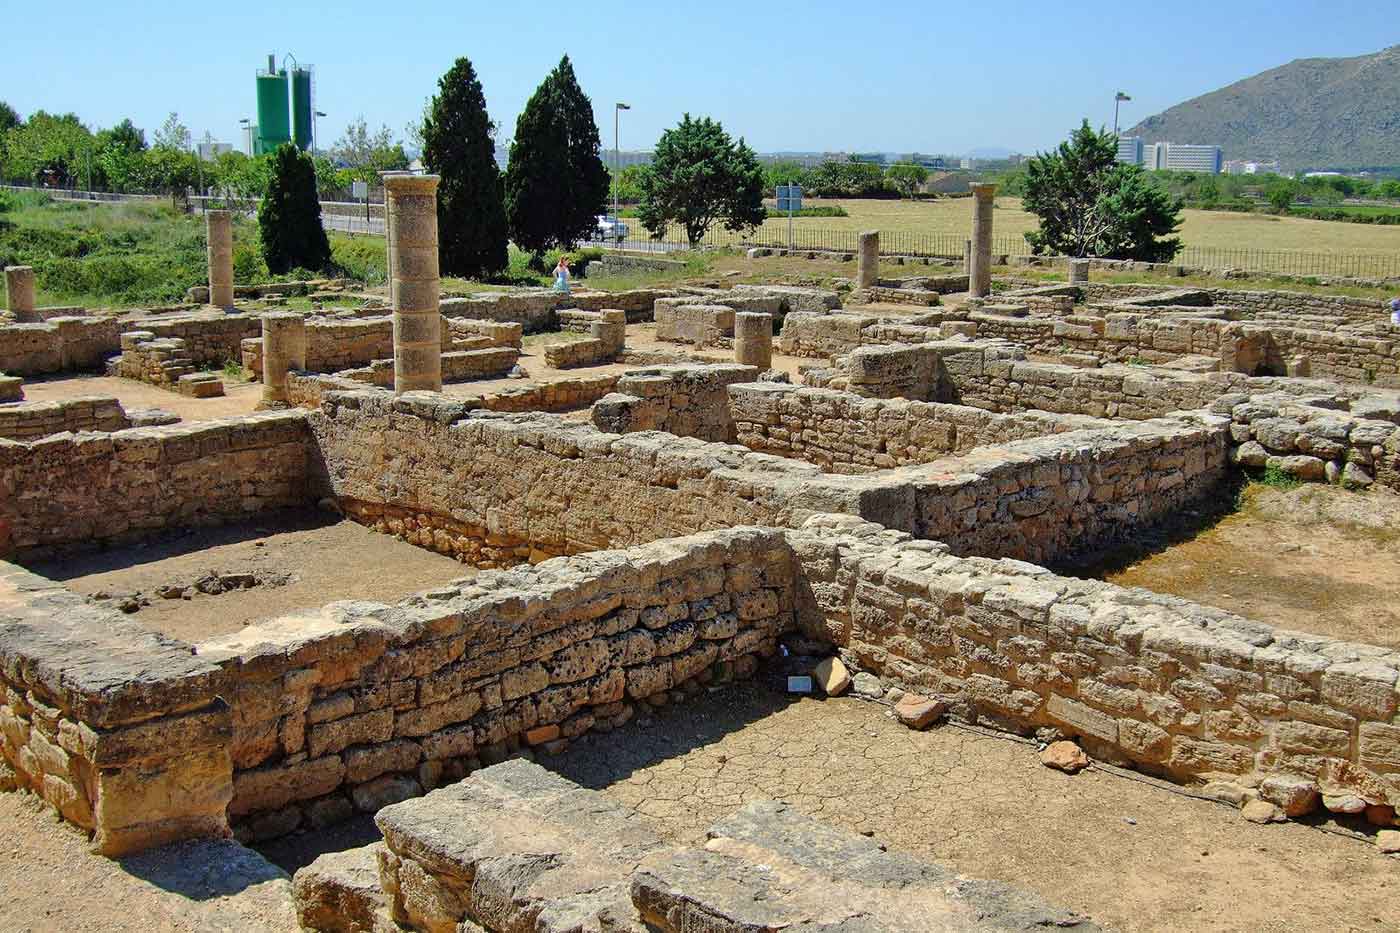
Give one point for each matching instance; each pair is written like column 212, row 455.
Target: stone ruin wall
column 305, row 720
column 494, row 489
column 70, row 490
column 687, row 401
column 845, row 433
column 1172, row 687
column 30, row 420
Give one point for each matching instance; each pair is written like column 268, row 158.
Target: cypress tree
column 458, row 145
column 555, row 184
column 289, row 220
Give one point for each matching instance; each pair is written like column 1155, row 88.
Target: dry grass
column 1207, row 229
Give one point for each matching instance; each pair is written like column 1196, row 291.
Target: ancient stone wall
column 1321, row 439
column 58, row 345
column 78, row 490
column 845, row 433
column 359, row 705
column 688, row 401
column 121, row 730
column 697, row 325
column 333, row 344
column 1172, row 687
column 535, row 310
column 29, row 420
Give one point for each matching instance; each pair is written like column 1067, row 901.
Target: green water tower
column 274, row 122
column 303, row 108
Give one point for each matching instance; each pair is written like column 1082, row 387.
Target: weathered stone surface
column 831, row 676
column 1064, row 756
column 919, row 712
column 524, row 847
column 868, row 685
column 340, row 893
column 1261, row 811
column 1295, row 796
column 771, row 868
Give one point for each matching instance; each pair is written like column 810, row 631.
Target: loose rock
column 1064, row 756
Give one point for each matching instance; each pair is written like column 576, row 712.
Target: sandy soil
column 241, row 398
column 1315, row 559
column 51, row 883
column 328, row 560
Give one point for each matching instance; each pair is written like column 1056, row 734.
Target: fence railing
column 1376, row 265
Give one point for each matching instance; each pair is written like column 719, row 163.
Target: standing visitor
column 561, row 276
column 1395, row 311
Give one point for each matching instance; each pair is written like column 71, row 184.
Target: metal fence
column 1290, row 262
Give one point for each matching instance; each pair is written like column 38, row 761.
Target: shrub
column 290, row 216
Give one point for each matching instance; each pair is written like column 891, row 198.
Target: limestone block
column 340, row 892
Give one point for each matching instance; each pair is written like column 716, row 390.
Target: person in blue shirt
column 561, row 276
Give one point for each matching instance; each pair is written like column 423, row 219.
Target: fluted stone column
column 219, row 231
column 411, row 209
column 1078, row 271
column 19, row 291
column 753, row 339
column 868, row 259
column 283, row 349
column 980, row 274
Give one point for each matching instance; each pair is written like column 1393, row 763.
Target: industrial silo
column 303, row 107
column 274, row 125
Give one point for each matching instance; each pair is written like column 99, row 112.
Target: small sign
column 359, row 189
column 799, row 685
column 789, row 198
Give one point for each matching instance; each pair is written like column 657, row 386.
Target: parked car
column 610, row 228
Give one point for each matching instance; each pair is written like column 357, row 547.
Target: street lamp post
column 1117, row 99
column 617, row 157
column 314, row 115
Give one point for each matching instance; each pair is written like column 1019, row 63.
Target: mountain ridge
column 1311, row 113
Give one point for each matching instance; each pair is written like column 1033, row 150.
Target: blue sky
column 876, row 76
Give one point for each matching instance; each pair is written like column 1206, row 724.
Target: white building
column 210, row 151
column 1182, row 157
column 1130, row 150
column 1249, row 167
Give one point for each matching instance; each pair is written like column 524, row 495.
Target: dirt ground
column 327, row 560
column 1314, row 559
column 51, row 883
column 241, row 398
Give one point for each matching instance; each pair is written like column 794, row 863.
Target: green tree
column 906, row 177
column 49, row 148
column 172, row 134
column 629, row 184
column 786, row 172
column 170, row 171
column 700, row 177
column 1091, row 205
column 848, row 180
column 366, row 154
column 458, row 146
column 289, row 220
column 9, row 118
column 1280, row 193
column 555, row 184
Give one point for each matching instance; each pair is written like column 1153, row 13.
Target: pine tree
column 555, row 184
column 700, row 177
column 458, row 145
column 289, row 219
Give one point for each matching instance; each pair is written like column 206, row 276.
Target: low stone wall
column 845, row 433
column 501, row 334
column 699, row 325
column 457, row 366
column 614, row 263
column 535, row 310
column 1172, row 687
column 121, row 730
column 494, row 489
column 11, row 388
column 334, row 344
column 58, row 345
column 1310, row 442
column 688, row 401
column 28, row 420
column 359, row 705
column 80, row 490
column 826, row 335
column 307, row 390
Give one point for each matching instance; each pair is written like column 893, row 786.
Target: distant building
column 1182, row 157
column 210, row 151
column 1130, row 150
column 1249, row 167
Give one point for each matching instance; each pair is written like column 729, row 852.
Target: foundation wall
column 845, row 433
column 1175, row 688
column 363, row 705
column 687, row 401
column 86, row 489
column 28, row 420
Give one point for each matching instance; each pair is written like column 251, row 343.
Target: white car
column 610, row 228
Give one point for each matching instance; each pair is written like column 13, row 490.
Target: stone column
column 19, row 289
column 967, row 257
column 388, row 237
column 868, row 259
column 1078, row 271
column 219, row 231
column 283, row 349
column 611, row 329
column 411, row 210
column 753, row 339
column 980, row 272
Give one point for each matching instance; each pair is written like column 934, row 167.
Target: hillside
column 1311, row 113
